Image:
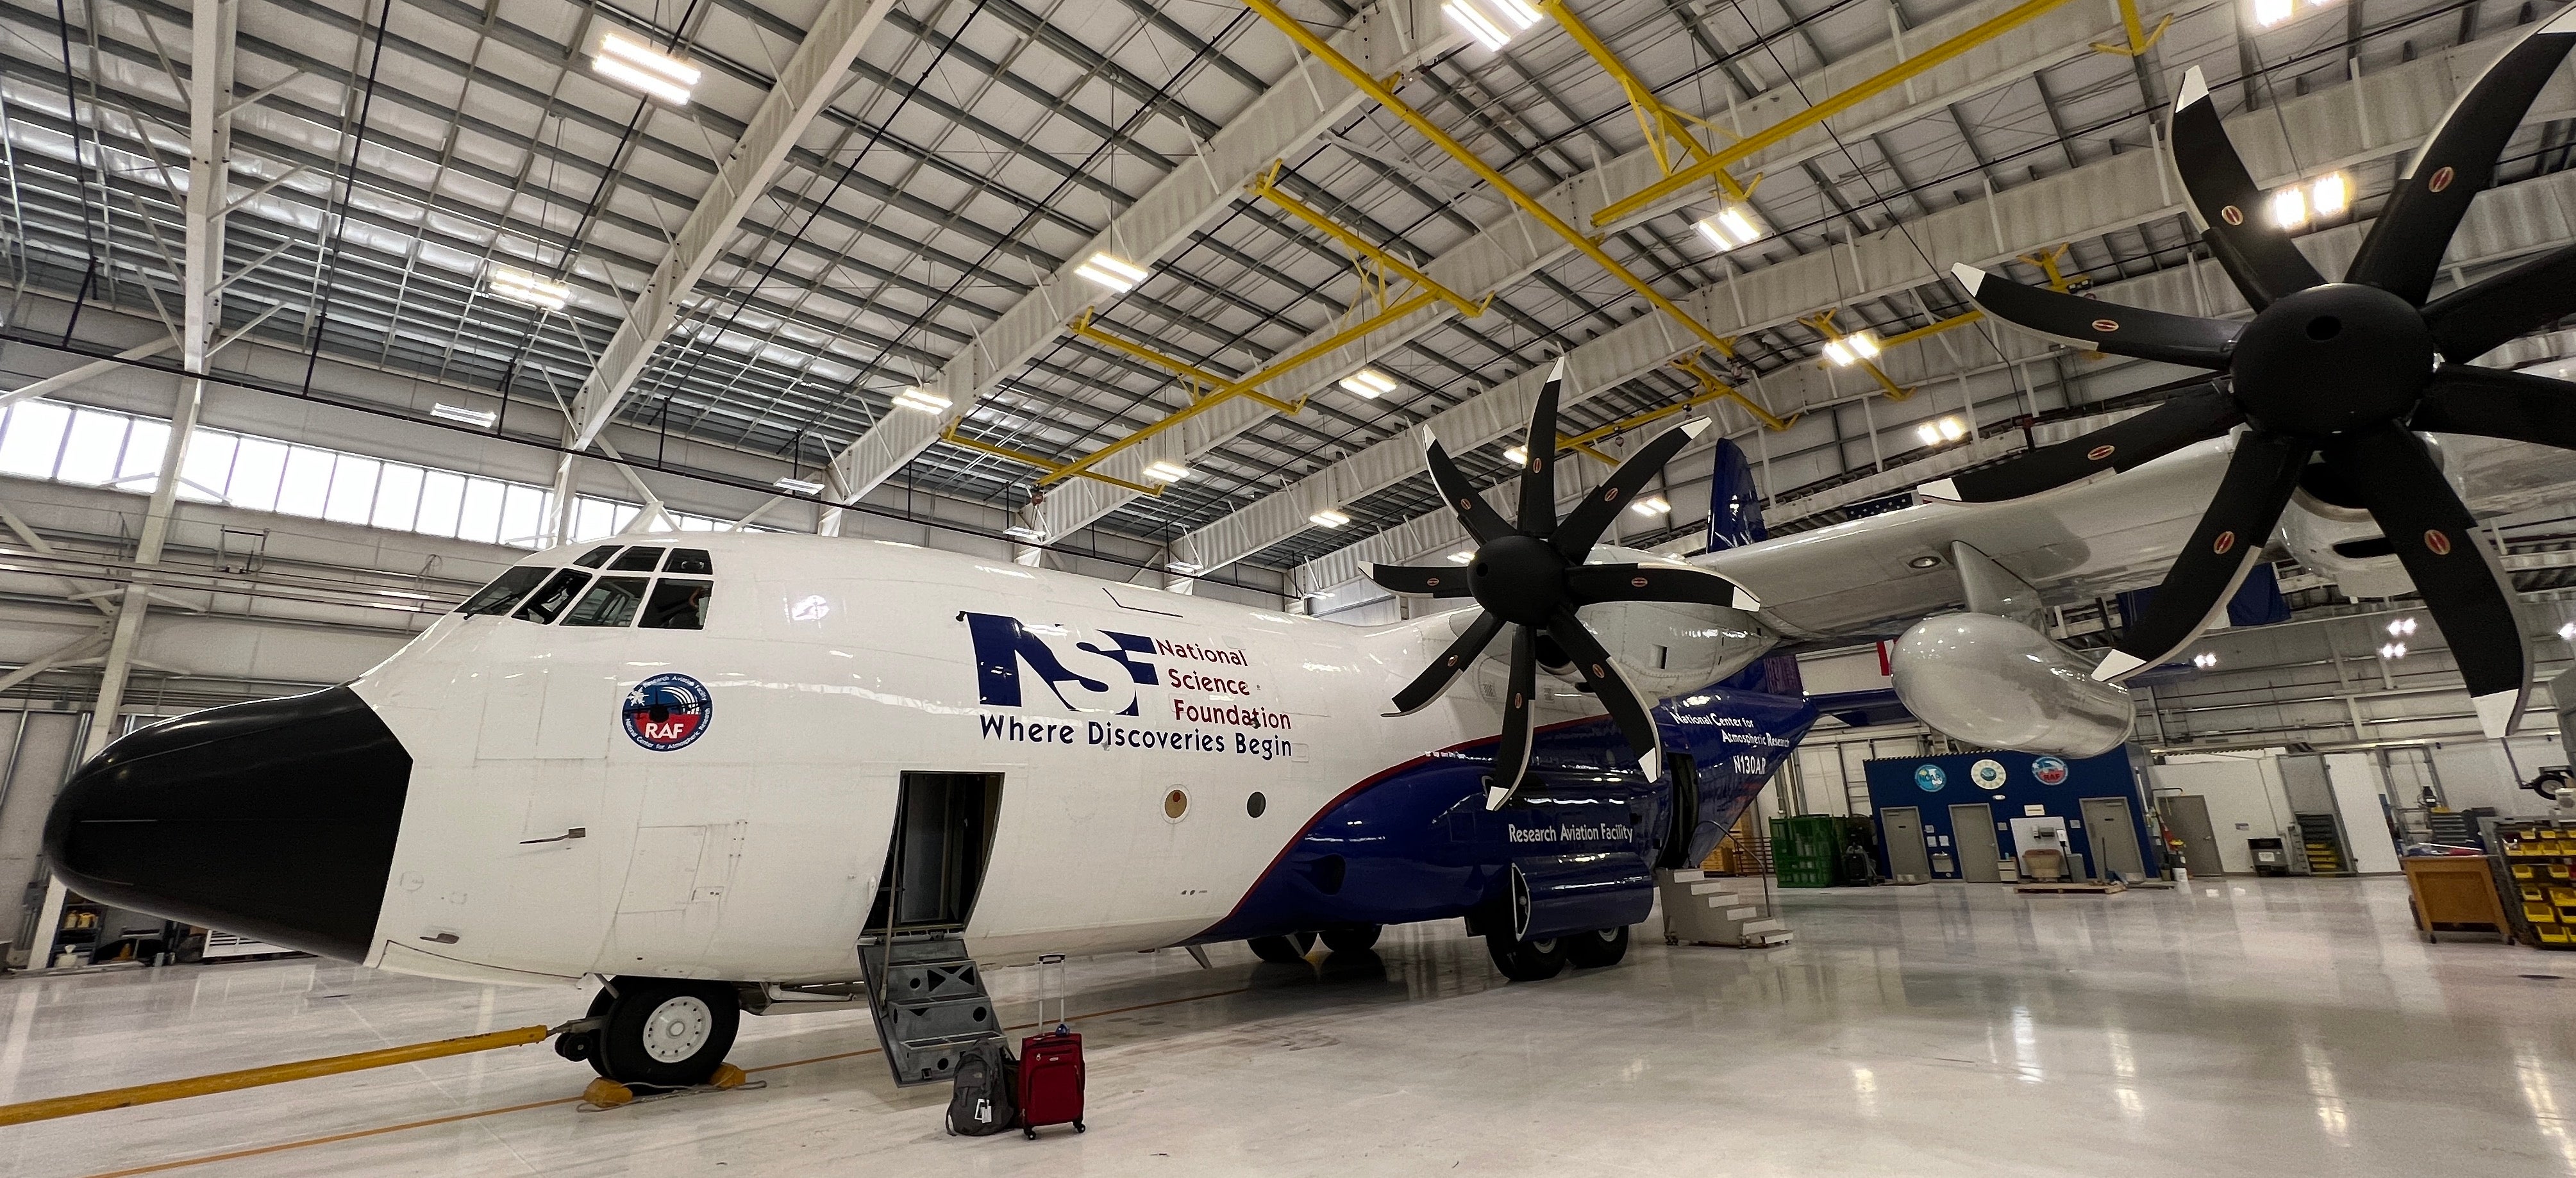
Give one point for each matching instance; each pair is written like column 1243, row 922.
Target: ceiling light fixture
column 1492, row 23
column 2329, row 194
column 2393, row 650
column 1368, row 384
column 2204, row 660
column 477, row 417
column 644, row 67
column 914, row 396
column 799, row 486
column 1164, row 470
column 1112, row 271
column 2568, row 631
column 1024, row 532
column 525, row 288
column 1516, row 456
column 1852, row 349
column 1461, row 557
column 2268, row 13
column 2289, row 208
column 1182, row 567
column 1946, row 429
column 1328, row 518
column 1732, row 226
column 1652, row 505
column 2402, row 628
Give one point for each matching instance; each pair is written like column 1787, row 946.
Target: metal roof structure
column 860, row 197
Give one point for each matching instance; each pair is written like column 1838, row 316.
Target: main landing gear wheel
column 1596, row 950
column 1293, row 947
column 662, row 1032
column 1526, row 961
column 1351, row 938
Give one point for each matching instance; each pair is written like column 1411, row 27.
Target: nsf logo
column 1930, row 778
column 667, row 712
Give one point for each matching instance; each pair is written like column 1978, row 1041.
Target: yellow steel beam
column 1377, row 90
column 1205, row 379
column 1266, row 187
column 1743, row 149
column 1824, row 324
column 1712, row 388
column 1406, row 306
column 276, row 1073
column 2140, row 40
column 1658, row 120
column 1961, row 319
column 1049, row 465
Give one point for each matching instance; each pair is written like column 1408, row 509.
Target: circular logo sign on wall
column 667, row 712
column 1988, row 774
column 1930, row 778
column 2049, row 770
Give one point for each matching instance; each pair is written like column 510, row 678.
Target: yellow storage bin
column 2525, row 871
column 2554, row 934
column 2540, row 913
column 2535, row 895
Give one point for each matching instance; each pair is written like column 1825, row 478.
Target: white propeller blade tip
column 2497, row 711
column 2564, row 22
column 2117, row 665
column 1938, row 491
column 2195, row 88
column 1495, row 796
column 1968, row 276
column 1693, row 429
column 1652, row 764
column 1556, row 371
column 1429, row 439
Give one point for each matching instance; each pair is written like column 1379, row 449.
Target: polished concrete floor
column 2274, row 1027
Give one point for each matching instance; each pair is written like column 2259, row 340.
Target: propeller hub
column 1520, row 578
column 2331, row 359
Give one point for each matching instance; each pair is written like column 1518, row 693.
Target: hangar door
column 1973, row 829
column 1907, row 860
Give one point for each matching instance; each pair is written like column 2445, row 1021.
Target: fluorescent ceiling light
column 645, row 68
column 2268, row 13
column 1930, row 433
column 2401, row 628
column 1461, row 557
column 2204, row 660
column 1836, row 352
column 1368, row 384
column 1516, row 456
column 1182, row 567
column 1652, row 505
column 1111, row 271
column 1730, row 227
column 1024, row 532
column 481, row 417
column 1328, row 518
column 2394, row 650
column 2568, row 631
column 914, row 396
column 1863, row 344
column 1492, row 23
column 2289, row 208
column 525, row 288
column 2330, row 194
column 1934, row 433
column 799, row 486
column 1164, row 470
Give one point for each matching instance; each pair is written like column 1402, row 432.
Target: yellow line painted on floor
column 380, row 1130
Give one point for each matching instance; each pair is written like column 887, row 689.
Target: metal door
column 2187, row 817
column 2113, row 830
column 1907, row 859
column 1972, row 828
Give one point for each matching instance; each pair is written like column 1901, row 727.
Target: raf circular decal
column 1930, row 778
column 667, row 712
column 2049, row 770
column 1988, row 774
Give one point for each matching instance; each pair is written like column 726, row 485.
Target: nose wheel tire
column 1526, row 961
column 661, row 1031
column 1290, row 948
column 1351, row 938
column 1597, row 950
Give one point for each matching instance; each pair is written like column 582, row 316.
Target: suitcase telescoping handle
column 1051, row 981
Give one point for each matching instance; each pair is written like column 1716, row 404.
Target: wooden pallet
column 2074, row 889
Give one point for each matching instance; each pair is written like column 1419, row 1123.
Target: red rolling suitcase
column 1051, row 1063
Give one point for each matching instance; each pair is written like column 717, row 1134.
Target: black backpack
column 986, row 1097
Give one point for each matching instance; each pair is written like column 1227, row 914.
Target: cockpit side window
column 677, row 605
column 690, row 560
column 611, row 602
column 504, row 591
column 550, row 599
column 596, row 556
column 637, row 560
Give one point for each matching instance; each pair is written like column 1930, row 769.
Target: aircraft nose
column 273, row 819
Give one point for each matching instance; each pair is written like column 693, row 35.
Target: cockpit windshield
column 504, row 591
column 573, row 597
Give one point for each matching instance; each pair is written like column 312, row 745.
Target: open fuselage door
column 925, row 991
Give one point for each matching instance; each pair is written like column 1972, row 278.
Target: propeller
column 1528, row 574
column 2330, row 379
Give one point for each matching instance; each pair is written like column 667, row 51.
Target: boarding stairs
column 929, row 1000
column 1704, row 909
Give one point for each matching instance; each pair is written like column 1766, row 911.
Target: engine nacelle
column 1666, row 648
column 2327, row 529
column 1997, row 683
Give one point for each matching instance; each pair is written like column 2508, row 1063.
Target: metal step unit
column 929, row 1001
column 1700, row 909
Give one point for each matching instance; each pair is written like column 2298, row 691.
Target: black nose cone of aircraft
column 273, row 819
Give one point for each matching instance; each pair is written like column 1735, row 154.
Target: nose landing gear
column 660, row 1032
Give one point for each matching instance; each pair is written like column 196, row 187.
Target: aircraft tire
column 665, row 1032
column 1293, row 947
column 1526, row 961
column 1597, row 950
column 1351, row 938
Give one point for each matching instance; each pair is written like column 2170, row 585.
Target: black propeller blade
column 2405, row 246
column 2260, row 258
column 2471, row 321
column 2100, row 326
column 2346, row 368
column 2199, row 413
column 2436, row 539
column 1532, row 577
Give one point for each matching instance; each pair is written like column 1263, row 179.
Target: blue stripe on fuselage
column 1415, row 841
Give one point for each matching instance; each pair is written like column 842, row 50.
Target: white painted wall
column 2243, row 793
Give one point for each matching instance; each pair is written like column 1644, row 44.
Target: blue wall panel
column 1934, row 784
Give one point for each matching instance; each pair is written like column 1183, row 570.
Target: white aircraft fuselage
column 516, row 800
